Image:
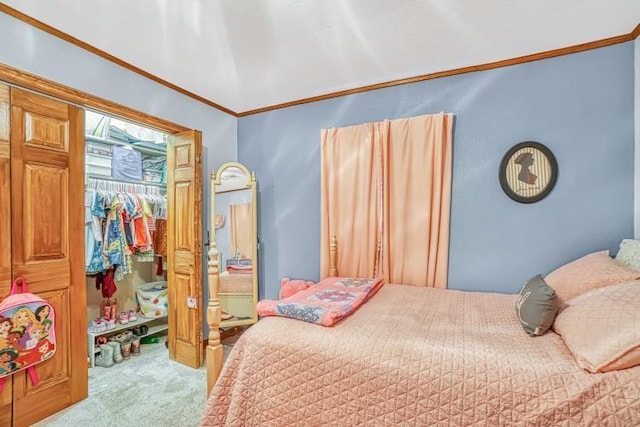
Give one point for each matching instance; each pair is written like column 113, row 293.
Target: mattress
column 420, row 357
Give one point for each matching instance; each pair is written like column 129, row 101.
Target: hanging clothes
column 94, row 215
column 160, row 238
column 160, row 242
column 120, row 224
column 105, row 283
column 115, row 244
column 142, row 235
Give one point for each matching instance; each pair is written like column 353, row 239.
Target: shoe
column 123, row 318
column 115, row 338
column 106, row 309
column 114, row 309
column 132, row 315
column 109, row 323
column 101, row 340
column 97, row 326
column 135, row 347
column 150, row 340
column 144, row 330
column 105, row 358
column 125, row 347
column 117, row 352
column 118, row 338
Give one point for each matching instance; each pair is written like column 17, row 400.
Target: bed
column 449, row 357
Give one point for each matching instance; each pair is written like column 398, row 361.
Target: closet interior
column 125, row 238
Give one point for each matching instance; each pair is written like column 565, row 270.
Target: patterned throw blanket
column 326, row 303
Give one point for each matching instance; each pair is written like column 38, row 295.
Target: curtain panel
column 386, row 196
column 417, row 200
column 351, row 168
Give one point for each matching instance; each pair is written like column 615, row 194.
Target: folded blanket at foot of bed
column 326, row 303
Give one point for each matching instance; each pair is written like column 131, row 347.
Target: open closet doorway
column 142, row 243
column 43, row 221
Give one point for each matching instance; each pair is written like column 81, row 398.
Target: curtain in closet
column 409, row 197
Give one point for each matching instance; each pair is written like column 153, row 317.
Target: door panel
column 56, row 370
column 5, row 232
column 184, row 211
column 47, row 178
column 39, row 244
column 184, row 247
column 46, row 131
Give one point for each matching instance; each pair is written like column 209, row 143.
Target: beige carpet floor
column 148, row 390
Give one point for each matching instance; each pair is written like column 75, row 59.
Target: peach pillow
column 289, row 287
column 602, row 327
column 589, row 272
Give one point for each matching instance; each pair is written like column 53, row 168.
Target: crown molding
column 31, row 82
column 482, row 67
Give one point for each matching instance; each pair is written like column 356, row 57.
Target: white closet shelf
column 126, row 181
column 143, row 149
column 154, row 329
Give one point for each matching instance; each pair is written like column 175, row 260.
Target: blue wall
column 581, row 106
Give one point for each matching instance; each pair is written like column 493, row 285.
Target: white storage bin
column 153, row 299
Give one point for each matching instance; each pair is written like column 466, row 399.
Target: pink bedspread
column 415, row 356
column 326, row 303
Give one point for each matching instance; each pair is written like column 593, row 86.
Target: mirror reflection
column 235, row 236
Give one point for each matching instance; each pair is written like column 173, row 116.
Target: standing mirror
column 234, row 217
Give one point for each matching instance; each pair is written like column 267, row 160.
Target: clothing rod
column 125, row 181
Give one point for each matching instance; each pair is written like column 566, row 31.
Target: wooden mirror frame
column 214, row 355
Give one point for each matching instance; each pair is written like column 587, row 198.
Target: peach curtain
column 350, row 169
column 241, row 230
column 417, row 155
column 386, row 196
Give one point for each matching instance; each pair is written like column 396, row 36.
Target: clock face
column 528, row 172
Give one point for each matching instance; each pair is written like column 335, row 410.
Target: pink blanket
column 326, row 303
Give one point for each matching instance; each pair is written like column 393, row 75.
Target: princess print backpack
column 27, row 332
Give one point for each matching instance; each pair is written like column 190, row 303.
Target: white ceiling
column 248, row 54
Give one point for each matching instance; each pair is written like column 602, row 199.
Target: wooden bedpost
column 333, row 249
column 214, row 348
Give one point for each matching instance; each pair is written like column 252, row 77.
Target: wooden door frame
column 24, row 80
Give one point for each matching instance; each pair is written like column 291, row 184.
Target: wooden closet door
column 184, row 248
column 5, row 232
column 47, row 191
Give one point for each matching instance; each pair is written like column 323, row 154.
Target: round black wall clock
column 528, row 172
